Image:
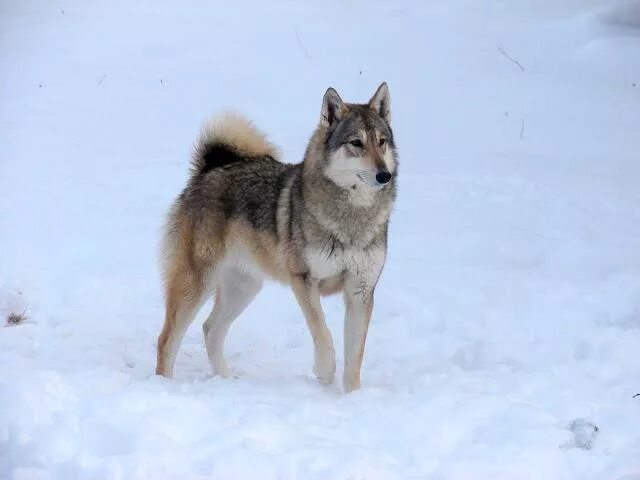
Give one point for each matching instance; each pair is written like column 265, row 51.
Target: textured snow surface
column 507, row 320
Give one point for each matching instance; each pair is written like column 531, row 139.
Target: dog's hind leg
column 236, row 289
column 186, row 292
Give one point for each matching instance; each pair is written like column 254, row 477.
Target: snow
column 508, row 315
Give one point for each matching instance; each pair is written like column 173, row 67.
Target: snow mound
column 624, row 14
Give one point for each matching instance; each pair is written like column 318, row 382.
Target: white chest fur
column 323, row 264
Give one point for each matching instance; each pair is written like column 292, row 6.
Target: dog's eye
column 383, row 141
column 356, row 143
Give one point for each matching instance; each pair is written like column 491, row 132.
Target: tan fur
column 308, row 296
column 259, row 249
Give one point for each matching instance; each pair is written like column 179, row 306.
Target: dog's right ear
column 333, row 108
column 381, row 102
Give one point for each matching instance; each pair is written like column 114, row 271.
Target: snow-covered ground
column 507, row 321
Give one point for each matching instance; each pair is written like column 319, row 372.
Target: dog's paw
column 325, row 378
column 223, row 371
column 350, row 383
column 324, row 367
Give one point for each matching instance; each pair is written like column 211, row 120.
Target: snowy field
column 507, row 320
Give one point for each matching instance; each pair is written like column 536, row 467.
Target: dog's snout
column 383, row 176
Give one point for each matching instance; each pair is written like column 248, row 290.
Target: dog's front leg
column 308, row 296
column 358, row 299
column 359, row 285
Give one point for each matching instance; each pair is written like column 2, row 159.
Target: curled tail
column 227, row 139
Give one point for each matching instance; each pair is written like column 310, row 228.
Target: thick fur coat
column 319, row 226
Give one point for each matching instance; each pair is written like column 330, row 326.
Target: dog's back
column 235, row 172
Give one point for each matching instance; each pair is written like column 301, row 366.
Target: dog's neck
column 345, row 212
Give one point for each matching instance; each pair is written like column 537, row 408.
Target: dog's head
column 359, row 141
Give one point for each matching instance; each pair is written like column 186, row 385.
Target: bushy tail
column 227, row 139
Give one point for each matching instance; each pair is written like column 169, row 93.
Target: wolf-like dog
column 319, row 226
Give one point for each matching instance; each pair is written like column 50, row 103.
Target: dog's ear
column 333, row 108
column 381, row 102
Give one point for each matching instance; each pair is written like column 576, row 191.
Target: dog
column 319, row 226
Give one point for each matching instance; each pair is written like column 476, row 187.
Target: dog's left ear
column 381, row 102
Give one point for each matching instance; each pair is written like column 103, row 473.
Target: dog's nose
column 383, row 177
